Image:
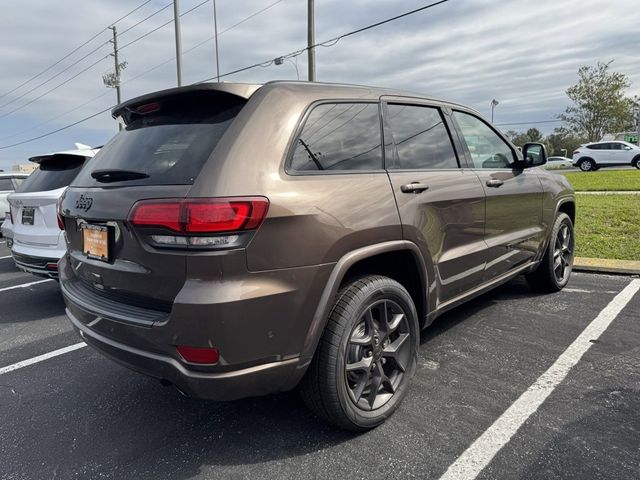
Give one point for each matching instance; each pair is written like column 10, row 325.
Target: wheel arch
column 403, row 261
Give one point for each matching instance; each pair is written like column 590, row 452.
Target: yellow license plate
column 95, row 242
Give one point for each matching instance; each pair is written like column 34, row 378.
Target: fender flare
column 321, row 315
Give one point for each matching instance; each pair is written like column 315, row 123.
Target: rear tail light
column 199, row 355
column 200, row 222
column 59, row 214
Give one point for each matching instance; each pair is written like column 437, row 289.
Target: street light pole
column 494, row 104
column 311, row 40
column 176, row 21
column 215, row 28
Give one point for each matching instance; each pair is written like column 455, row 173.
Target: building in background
column 25, row 167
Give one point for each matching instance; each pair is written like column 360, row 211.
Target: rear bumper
column 259, row 325
column 41, row 266
column 253, row 381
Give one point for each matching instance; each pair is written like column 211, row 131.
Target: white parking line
column 2, row 258
column 40, row 358
column 25, row 285
column 475, row 458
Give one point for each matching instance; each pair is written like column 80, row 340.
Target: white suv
column 38, row 242
column 592, row 156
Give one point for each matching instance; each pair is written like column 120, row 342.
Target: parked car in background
column 38, row 242
column 7, row 230
column 593, row 156
column 237, row 240
column 554, row 163
column 9, row 181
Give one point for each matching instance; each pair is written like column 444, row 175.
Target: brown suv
column 237, row 240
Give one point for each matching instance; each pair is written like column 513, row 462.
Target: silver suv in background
column 9, row 181
column 592, row 156
column 38, row 242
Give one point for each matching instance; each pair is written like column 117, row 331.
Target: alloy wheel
column 563, row 254
column 378, row 354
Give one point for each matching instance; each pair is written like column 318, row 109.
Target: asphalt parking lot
column 78, row 415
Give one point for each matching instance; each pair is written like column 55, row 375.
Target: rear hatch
column 158, row 155
column 33, row 205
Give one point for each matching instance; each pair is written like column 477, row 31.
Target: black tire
column 327, row 386
column 546, row 278
column 636, row 162
column 587, row 165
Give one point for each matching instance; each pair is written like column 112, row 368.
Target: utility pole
column 494, row 104
column 311, row 40
column 176, row 21
column 112, row 80
column 215, row 28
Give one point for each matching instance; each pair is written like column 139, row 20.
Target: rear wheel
column 366, row 357
column 587, row 165
column 555, row 269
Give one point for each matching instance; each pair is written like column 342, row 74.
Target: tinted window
column 487, row 149
column 169, row 145
column 595, row 147
column 421, row 138
column 56, row 172
column 340, row 136
column 5, row 184
column 617, row 146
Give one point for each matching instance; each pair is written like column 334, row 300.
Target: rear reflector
column 199, row 355
column 201, row 215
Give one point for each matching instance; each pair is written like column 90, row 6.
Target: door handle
column 494, row 182
column 414, row 187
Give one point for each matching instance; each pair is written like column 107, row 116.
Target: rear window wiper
column 115, row 175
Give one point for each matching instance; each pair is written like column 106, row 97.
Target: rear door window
column 169, row 144
column 55, row 172
column 421, row 138
column 339, row 136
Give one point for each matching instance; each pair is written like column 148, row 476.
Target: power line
column 71, row 52
column 163, row 25
column 260, row 64
column 147, row 71
column 54, row 88
column 146, row 18
column 527, row 123
column 56, row 131
column 331, row 42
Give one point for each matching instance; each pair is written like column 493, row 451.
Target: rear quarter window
column 339, row 137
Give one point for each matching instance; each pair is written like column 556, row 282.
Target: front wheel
column 587, row 165
column 555, row 268
column 366, row 356
column 636, row 162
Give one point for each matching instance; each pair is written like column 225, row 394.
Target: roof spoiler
column 128, row 109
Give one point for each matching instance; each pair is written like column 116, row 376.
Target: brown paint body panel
column 265, row 305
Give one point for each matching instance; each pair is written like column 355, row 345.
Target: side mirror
column 534, row 155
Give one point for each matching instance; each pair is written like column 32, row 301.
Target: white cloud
column 523, row 53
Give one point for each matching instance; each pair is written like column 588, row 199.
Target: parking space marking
column 25, row 285
column 40, row 358
column 3, row 258
column 475, row 458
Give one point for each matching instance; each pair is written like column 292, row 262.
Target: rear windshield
column 170, row 144
column 57, row 172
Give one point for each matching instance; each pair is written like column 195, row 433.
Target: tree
column 531, row 135
column 600, row 105
column 563, row 139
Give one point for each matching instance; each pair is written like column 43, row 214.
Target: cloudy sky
column 524, row 53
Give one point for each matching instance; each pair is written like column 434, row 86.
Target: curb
column 601, row 265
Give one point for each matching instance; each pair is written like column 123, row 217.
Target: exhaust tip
column 168, row 383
